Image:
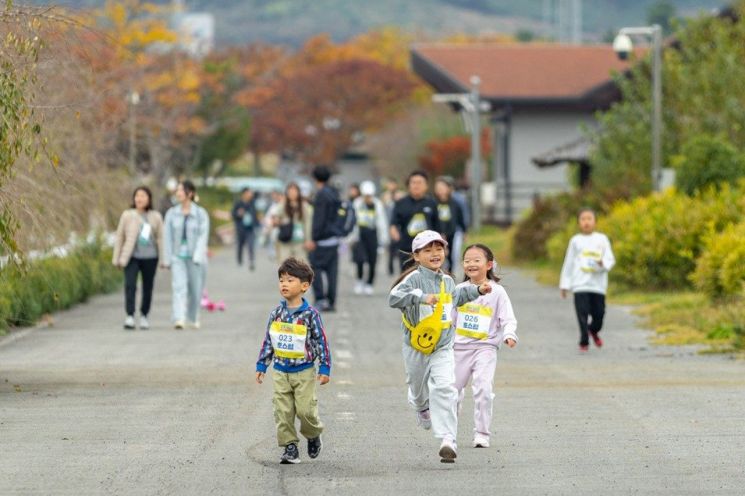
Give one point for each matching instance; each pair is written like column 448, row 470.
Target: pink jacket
column 503, row 322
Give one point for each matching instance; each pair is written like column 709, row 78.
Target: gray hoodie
column 408, row 296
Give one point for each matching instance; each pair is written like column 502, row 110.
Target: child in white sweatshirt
column 480, row 329
column 588, row 260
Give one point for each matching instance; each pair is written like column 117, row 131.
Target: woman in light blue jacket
column 186, row 233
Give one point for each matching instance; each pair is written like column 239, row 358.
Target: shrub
column 706, row 161
column 28, row 292
column 720, row 270
column 657, row 238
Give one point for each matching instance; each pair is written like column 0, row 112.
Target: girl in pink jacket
column 481, row 327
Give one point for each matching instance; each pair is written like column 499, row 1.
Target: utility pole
column 133, row 100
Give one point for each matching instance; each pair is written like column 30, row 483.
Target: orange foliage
column 450, row 156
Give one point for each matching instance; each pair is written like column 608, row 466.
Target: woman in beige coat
column 294, row 218
column 138, row 246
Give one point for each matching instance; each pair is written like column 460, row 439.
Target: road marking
column 345, row 382
column 346, row 416
column 343, row 354
column 344, row 365
column 344, row 396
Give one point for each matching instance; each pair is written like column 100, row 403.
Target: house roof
column 576, row 151
column 538, row 74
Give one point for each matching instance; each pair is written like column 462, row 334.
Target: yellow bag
column 426, row 334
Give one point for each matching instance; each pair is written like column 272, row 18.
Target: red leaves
column 450, row 155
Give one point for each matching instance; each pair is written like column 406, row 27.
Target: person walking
column 451, row 217
column 480, row 329
column 588, row 260
column 390, row 196
column 412, row 214
column 426, row 296
column 326, row 232
column 246, row 222
column 293, row 219
column 371, row 236
column 137, row 248
column 187, row 228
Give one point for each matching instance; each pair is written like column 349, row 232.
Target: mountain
column 293, row 21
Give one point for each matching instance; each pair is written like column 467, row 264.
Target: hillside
column 293, row 21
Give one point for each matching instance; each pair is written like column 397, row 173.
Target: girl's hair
column 149, row 197
column 491, row 274
column 586, row 209
column 289, row 209
column 189, row 189
column 414, row 266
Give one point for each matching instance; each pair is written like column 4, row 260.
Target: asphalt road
column 87, row 408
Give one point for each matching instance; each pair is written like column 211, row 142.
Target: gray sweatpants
column 431, row 381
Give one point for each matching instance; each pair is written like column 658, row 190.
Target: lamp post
column 134, row 99
column 471, row 106
column 623, row 46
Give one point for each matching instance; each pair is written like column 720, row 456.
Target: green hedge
column 27, row 292
column 720, row 271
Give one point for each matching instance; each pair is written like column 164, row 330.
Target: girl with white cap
column 371, row 234
column 426, row 297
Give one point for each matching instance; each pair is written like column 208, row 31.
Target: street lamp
column 471, row 106
column 623, row 46
column 133, row 99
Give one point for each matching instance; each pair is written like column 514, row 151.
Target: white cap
column 426, row 237
column 367, row 188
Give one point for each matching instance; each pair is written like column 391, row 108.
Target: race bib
column 474, row 321
column 183, row 251
column 444, row 212
column 417, row 224
column 145, row 234
column 589, row 260
column 366, row 218
column 298, row 233
column 248, row 220
column 288, row 340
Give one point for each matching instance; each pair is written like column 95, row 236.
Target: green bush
column 27, row 292
column 707, row 161
column 657, row 238
column 720, row 270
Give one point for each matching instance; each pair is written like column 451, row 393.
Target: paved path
column 86, row 408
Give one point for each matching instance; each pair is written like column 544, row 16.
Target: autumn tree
column 450, row 156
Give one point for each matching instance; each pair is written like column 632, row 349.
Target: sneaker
column 252, row 267
column 129, row 323
column 291, row 455
column 314, row 447
column 480, row 441
column 178, row 325
column 596, row 339
column 424, row 419
column 196, row 325
column 144, row 324
column 447, row 451
column 359, row 287
column 368, row 290
column 584, row 348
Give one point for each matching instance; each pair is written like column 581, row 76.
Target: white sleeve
column 568, row 268
column 608, row 259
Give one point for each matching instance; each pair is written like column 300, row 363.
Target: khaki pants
column 295, row 395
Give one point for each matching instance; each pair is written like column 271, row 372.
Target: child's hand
column 260, row 377
column 485, row 288
column 564, row 294
column 510, row 342
column 323, row 379
column 431, row 299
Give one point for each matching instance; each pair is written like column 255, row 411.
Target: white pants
column 477, row 364
column 431, row 380
column 187, row 281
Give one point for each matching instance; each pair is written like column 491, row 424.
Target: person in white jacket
column 370, row 236
column 588, row 260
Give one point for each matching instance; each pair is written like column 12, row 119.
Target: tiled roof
column 520, row 72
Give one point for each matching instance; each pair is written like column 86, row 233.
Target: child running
column 294, row 340
column 426, row 295
column 588, row 260
column 480, row 329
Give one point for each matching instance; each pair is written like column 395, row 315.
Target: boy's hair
column 321, row 173
column 296, row 268
column 416, row 173
column 489, row 258
column 586, row 209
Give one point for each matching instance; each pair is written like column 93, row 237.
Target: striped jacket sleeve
column 267, row 350
column 320, row 343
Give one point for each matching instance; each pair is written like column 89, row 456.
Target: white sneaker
column 480, row 441
column 424, row 419
column 129, row 323
column 144, row 324
column 359, row 287
column 448, row 451
column 178, row 325
column 196, row 325
column 369, row 290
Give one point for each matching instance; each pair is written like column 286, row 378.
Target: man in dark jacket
column 246, row 222
column 412, row 214
column 451, row 217
column 326, row 231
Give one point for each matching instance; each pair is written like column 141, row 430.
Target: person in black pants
column 412, row 214
column 450, row 215
column 371, row 233
column 246, row 221
column 324, row 256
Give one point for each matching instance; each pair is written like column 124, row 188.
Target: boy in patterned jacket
column 294, row 340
